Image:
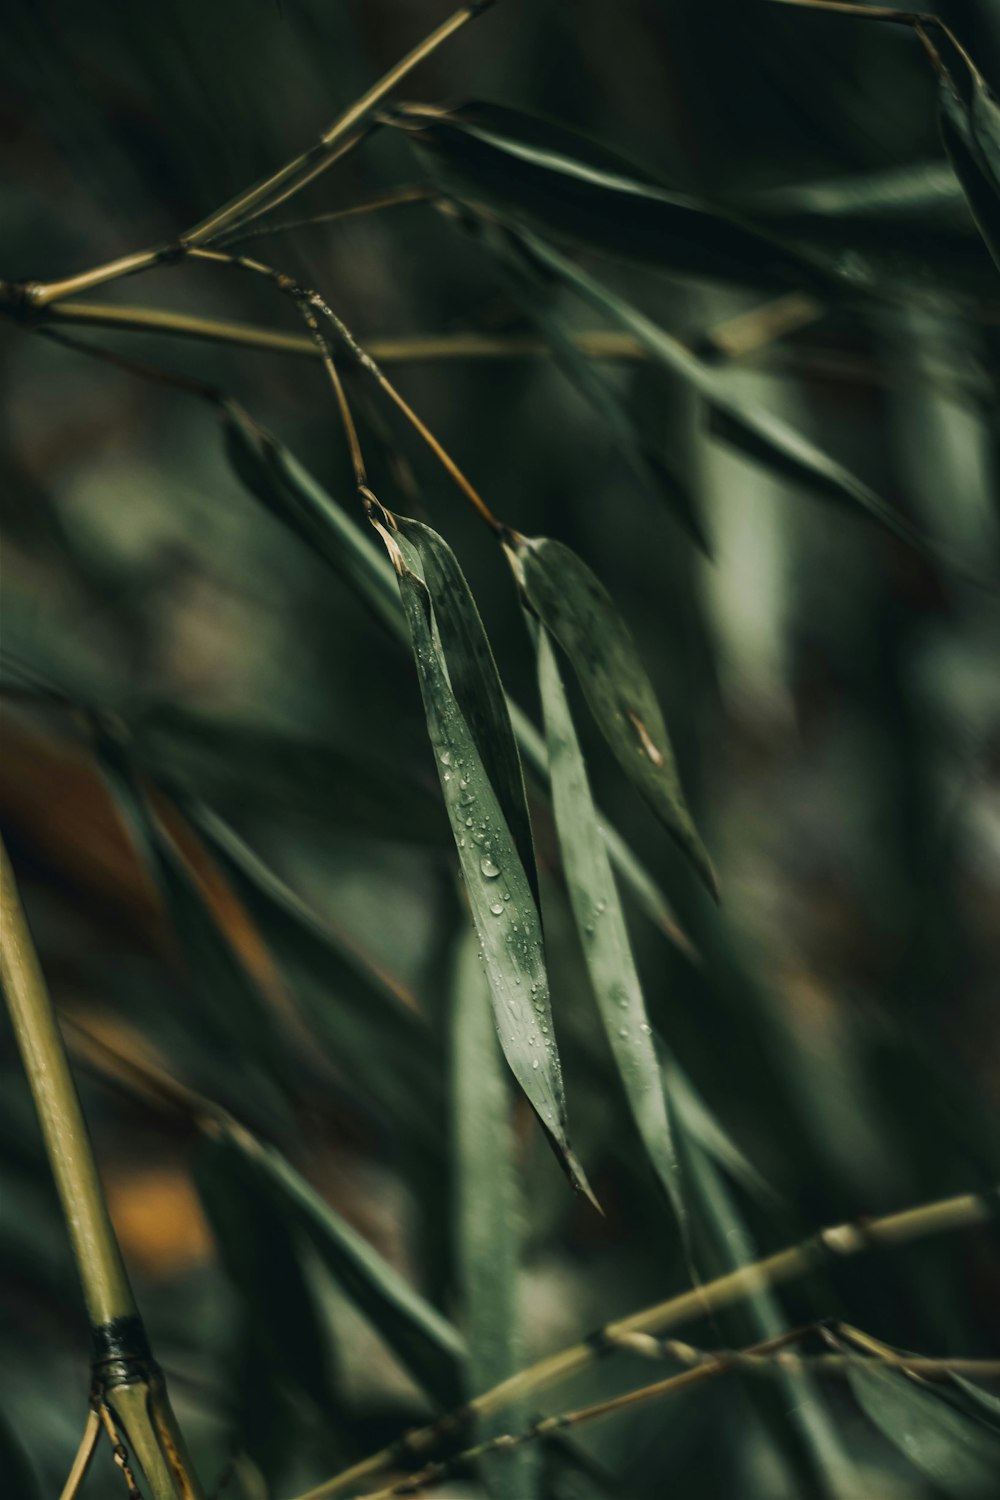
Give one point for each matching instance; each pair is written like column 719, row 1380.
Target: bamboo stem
column 106, row 1290
column 126, row 1379
column 840, row 1241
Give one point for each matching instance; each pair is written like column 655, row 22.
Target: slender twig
column 84, row 1454
column 840, row 1241
column 411, row 193
column 917, row 20
column 267, row 193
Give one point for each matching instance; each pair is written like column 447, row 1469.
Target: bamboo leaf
column 756, row 432
column 649, row 465
column 554, row 180
column 422, row 1340
column 488, row 1215
column 475, row 682
column 575, row 606
column 276, row 478
column 954, row 1451
column 600, row 924
column 970, row 130
column 261, row 1253
column 499, row 892
column 230, row 1002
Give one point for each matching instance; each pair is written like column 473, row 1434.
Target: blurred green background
column 834, row 700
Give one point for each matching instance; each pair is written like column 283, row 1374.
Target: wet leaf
column 603, row 935
column 952, row 1450
column 499, row 892
column 488, row 1216
column 574, row 605
column 474, row 680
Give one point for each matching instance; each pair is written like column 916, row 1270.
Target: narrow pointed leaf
column 422, row 1340
column 608, row 405
column 555, row 180
column 489, row 1216
column 368, row 574
column 575, row 606
column 955, row 1452
column 971, row 134
column 499, row 892
column 473, row 675
column 600, row 924
column 277, row 479
column 260, row 1250
column 758, row 433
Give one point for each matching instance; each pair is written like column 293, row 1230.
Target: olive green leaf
column 422, row 1340
column 970, row 130
column 498, row 890
column 956, row 1452
column 474, row 680
column 488, row 1215
column 600, row 924
column 574, row 605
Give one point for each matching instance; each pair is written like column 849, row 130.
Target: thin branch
column 267, row 193
column 415, row 193
column 840, row 1241
column 84, row 1454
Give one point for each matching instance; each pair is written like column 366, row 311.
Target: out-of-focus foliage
column 706, row 295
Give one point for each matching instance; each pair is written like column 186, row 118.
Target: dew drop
column 468, row 822
column 535, row 1063
column 446, row 758
column 496, row 908
column 645, row 1029
column 489, row 869
column 623, row 1031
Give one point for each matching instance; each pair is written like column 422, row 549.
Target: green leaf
column 610, row 407
column 488, row 1216
column 421, row 1339
column 260, row 1250
column 551, row 179
column 970, row 130
column 277, row 479
column 238, row 763
column 499, row 892
column 575, row 606
column 756, row 432
column 370, row 1030
column 369, row 575
column 230, row 1002
column 953, row 1451
column 603, row 934
column 474, row 681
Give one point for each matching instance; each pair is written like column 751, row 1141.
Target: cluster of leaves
column 704, row 1119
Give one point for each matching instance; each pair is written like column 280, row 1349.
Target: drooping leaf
column 233, row 763
column 369, row 575
column 292, row 495
column 369, row 1029
column 537, row 297
column 575, row 606
column 970, row 130
column 259, row 1247
column 499, row 892
column 421, row 1339
column 555, row 180
column 758, row 433
column 474, row 680
column 954, row 1451
column 600, row 924
column 232, row 1003
column 488, row 1216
